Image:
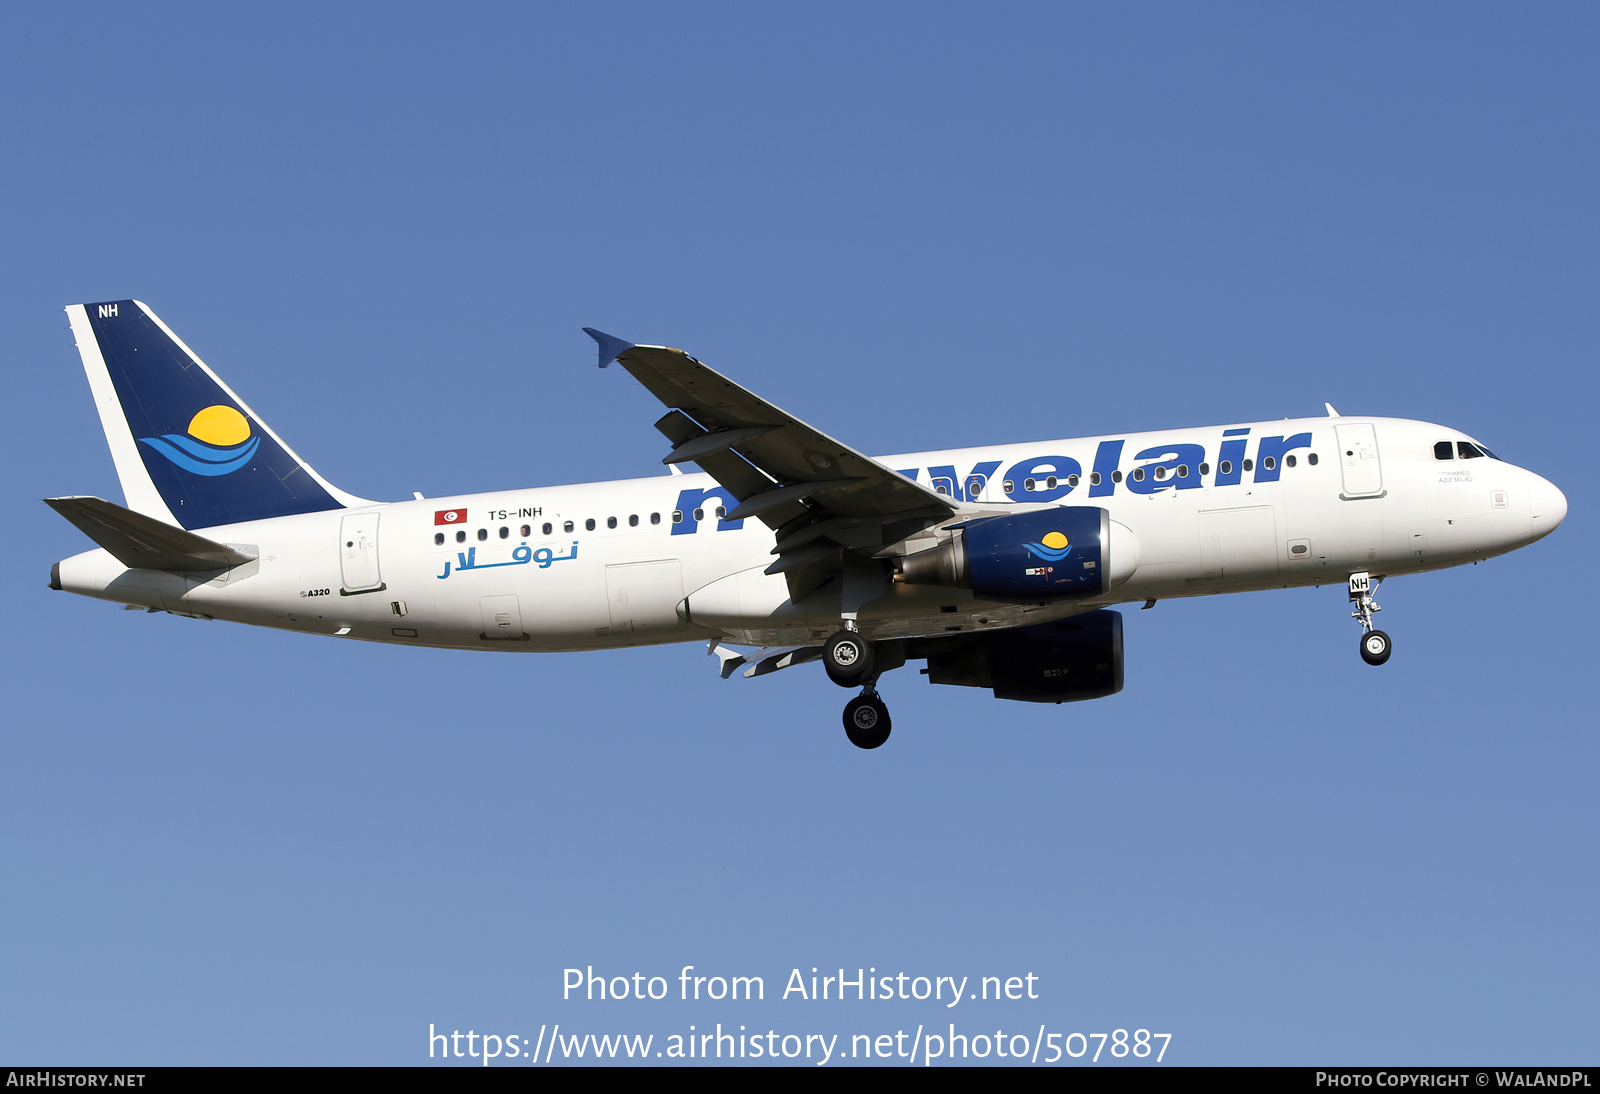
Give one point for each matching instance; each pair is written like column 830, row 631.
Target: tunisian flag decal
column 450, row 516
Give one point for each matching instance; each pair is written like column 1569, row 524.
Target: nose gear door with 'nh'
column 358, row 554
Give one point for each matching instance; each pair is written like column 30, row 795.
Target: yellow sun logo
column 222, row 426
column 218, row 443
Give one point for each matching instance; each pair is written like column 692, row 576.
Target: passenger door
column 358, row 554
column 1358, row 460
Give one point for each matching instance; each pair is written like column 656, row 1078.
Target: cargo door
column 644, row 597
column 1358, row 460
column 358, row 554
column 502, row 618
column 1239, row 544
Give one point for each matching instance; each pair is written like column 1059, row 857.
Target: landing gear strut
column 866, row 719
column 1375, row 645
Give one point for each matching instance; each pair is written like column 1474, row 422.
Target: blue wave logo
column 1054, row 548
column 218, row 442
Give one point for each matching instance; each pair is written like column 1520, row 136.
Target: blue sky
column 915, row 226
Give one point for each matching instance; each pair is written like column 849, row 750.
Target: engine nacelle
column 1061, row 662
column 1070, row 551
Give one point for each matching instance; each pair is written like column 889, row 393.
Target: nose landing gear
column 1375, row 645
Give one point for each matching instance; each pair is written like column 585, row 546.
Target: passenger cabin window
column 1009, row 486
column 438, row 539
column 1116, row 476
column 1072, row 480
column 611, row 522
column 1094, row 478
column 589, row 524
column 1225, row 467
column 567, row 527
column 505, row 533
column 677, row 516
column 655, row 518
column 1312, row 459
column 1288, row 461
column 1138, row 474
column 1249, row 465
column 483, row 534
column 548, row 528
column 1205, row 469
column 461, row 536
column 1444, row 450
column 1269, row 463
column 526, row 531
column 633, row 520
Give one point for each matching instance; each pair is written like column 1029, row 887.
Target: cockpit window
column 1468, row 451
column 1443, row 451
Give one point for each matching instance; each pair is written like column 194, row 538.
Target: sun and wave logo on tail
column 1052, row 547
column 219, row 441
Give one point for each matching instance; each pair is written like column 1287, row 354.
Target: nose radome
column 1547, row 506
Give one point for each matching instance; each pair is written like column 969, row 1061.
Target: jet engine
column 1061, row 662
column 1072, row 552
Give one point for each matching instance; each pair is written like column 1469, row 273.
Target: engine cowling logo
column 1052, row 547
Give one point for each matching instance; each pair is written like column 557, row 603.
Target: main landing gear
column 847, row 658
column 866, row 719
column 849, row 662
column 1375, row 645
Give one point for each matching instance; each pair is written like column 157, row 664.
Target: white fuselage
column 627, row 563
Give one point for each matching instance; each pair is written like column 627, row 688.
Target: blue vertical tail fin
column 187, row 449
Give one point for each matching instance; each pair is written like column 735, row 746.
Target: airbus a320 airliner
column 998, row 566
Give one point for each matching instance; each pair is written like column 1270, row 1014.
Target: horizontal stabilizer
column 144, row 543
